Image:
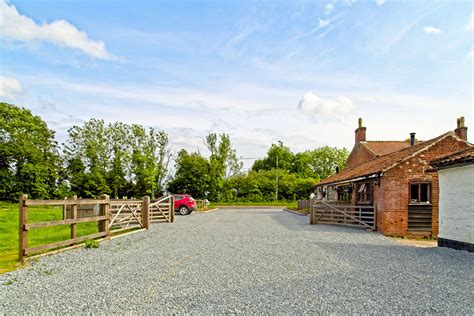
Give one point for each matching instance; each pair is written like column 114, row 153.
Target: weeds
column 92, row 243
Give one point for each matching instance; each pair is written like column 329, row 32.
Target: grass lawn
column 37, row 236
column 289, row 204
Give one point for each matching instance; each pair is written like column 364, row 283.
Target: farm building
column 395, row 177
column 456, row 199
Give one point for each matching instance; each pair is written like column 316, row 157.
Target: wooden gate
column 126, row 214
column 338, row 213
column 162, row 209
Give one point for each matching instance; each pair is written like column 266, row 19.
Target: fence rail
column 344, row 214
column 112, row 216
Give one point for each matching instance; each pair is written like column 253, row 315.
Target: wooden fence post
column 64, row 208
column 171, row 209
column 23, row 237
column 146, row 212
column 74, row 217
column 311, row 212
column 104, row 211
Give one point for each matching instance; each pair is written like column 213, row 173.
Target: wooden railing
column 114, row 216
column 102, row 219
column 343, row 213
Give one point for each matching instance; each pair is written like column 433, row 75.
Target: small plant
column 92, row 243
column 9, row 282
column 46, row 272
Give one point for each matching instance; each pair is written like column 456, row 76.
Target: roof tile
column 381, row 163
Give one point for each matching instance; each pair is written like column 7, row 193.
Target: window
column 344, row 193
column 364, row 193
column 420, row 193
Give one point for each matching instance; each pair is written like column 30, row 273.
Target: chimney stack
column 360, row 132
column 412, row 139
column 461, row 130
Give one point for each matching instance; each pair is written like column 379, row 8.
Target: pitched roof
column 380, row 147
column 460, row 157
column 382, row 163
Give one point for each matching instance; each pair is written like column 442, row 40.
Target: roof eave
column 355, row 179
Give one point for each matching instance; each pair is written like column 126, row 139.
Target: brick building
column 396, row 178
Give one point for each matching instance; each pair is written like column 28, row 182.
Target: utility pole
column 276, row 188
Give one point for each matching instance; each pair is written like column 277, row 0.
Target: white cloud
column 470, row 23
column 327, row 108
column 471, row 55
column 60, row 32
column 323, row 23
column 328, row 8
column 9, row 87
column 432, row 30
column 379, row 2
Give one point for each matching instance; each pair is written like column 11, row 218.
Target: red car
column 184, row 204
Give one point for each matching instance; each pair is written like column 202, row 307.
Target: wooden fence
column 343, row 213
column 113, row 216
column 303, row 204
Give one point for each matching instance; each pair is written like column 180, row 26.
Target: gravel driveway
column 245, row 261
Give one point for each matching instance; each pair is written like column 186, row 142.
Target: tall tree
column 192, row 175
column 222, row 161
column 277, row 154
column 29, row 159
column 86, row 150
column 151, row 155
column 323, row 161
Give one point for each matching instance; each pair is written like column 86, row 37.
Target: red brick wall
column 359, row 154
column 393, row 194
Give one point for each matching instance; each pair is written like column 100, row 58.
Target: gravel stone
column 244, row 261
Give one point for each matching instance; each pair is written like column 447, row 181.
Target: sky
column 261, row 71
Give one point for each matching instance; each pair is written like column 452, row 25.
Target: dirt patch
column 423, row 243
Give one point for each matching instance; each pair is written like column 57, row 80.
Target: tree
column 192, row 175
column 323, row 161
column 88, row 158
column 118, row 135
column 116, row 159
column 150, row 158
column 29, row 160
column 222, row 162
column 276, row 152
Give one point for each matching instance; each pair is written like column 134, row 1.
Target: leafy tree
column 222, row 161
column 29, row 162
column 149, row 161
column 118, row 135
column 323, row 161
column 192, row 175
column 88, row 157
column 116, row 159
column 277, row 152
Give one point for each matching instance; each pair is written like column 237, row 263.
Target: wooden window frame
column 419, row 183
column 367, row 193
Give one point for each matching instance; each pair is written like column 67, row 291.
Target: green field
column 289, row 204
column 37, row 236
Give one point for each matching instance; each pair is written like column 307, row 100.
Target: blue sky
column 301, row 72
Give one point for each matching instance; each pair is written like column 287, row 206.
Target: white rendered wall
column 456, row 203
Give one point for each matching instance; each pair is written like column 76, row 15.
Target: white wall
column 456, row 203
